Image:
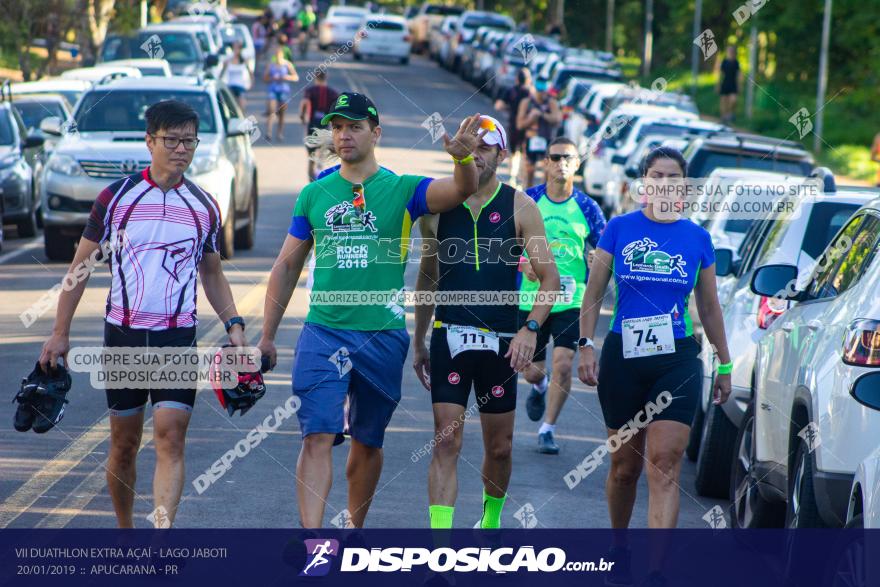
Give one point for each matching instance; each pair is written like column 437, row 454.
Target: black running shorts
column 493, row 379
column 627, row 385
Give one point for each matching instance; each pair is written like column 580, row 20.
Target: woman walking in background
column 236, row 74
column 278, row 74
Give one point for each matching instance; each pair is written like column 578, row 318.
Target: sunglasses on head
column 560, row 156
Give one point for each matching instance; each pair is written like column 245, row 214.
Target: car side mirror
column 236, row 127
column 631, row 172
column 775, row 281
column 866, row 390
column 723, row 262
column 211, row 60
column 32, row 141
column 618, row 160
column 51, row 125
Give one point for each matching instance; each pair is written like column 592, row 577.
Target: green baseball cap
column 353, row 106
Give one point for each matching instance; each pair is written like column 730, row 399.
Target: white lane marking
column 34, row 243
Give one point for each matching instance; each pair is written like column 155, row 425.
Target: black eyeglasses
column 558, row 157
column 173, row 142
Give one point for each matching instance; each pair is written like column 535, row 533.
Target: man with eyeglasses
column 162, row 230
column 354, row 341
column 572, row 220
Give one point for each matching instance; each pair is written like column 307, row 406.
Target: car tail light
column 861, row 343
column 769, row 309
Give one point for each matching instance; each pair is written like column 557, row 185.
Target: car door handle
column 814, row 325
column 788, row 326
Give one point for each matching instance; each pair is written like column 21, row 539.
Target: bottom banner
column 839, row 558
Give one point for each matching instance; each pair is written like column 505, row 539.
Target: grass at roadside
column 252, row 4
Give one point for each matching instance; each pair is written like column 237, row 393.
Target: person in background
column 317, row 101
column 236, row 74
column 509, row 103
column 728, row 85
column 278, row 74
column 260, row 32
column 306, row 18
column 537, row 117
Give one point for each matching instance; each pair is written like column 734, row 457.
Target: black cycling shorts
column 127, row 402
column 562, row 326
column 627, row 385
column 493, row 379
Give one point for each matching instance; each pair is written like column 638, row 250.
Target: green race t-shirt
column 361, row 243
column 569, row 225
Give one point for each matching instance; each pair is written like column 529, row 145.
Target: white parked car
column 282, row 8
column 100, row 72
column 797, row 237
column 382, row 35
column 71, row 89
column 589, row 113
column 814, row 366
column 613, row 134
column 147, row 67
column 109, row 144
column 864, row 497
column 428, row 17
column 340, row 25
column 439, row 39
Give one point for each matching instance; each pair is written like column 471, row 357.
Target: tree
column 94, row 18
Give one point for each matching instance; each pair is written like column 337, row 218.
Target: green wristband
column 725, row 368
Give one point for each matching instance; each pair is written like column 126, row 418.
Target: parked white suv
column 797, row 237
column 864, row 497
column 106, row 142
column 812, row 427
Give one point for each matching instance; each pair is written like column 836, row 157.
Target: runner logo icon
column 320, row 553
column 345, row 217
column 641, row 257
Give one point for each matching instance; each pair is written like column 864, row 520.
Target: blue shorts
column 279, row 92
column 366, row 366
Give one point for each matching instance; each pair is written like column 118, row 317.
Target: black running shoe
column 535, row 404
column 51, row 398
column 620, row 574
column 546, row 444
column 26, row 397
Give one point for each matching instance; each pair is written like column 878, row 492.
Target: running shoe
column 546, row 444
column 536, row 403
column 620, row 574
column 26, row 396
column 50, row 398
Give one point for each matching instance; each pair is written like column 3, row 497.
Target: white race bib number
column 651, row 335
column 568, row 286
column 537, row 144
column 467, row 338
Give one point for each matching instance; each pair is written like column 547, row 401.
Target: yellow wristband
column 464, row 161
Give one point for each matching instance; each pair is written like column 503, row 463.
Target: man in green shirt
column 354, row 342
column 572, row 220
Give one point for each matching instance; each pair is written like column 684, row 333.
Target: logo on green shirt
column 345, row 217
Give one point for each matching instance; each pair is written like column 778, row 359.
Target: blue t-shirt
column 656, row 266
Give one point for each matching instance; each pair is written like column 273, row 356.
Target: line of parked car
column 64, row 139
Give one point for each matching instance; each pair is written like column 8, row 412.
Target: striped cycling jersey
column 157, row 240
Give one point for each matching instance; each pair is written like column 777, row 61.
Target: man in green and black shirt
column 354, row 341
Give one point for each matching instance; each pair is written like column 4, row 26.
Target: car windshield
column 33, row 113
column 123, row 110
column 444, row 10
column 738, row 225
column 705, row 162
column 173, row 47
column 669, row 130
column 384, row 25
column 475, row 22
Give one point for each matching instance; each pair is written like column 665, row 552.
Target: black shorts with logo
column 126, row 402
column 562, row 326
column 493, row 379
column 627, row 385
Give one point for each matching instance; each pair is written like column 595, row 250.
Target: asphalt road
column 58, row 479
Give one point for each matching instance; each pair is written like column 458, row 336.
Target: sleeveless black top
column 480, row 255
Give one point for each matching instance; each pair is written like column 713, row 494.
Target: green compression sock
column 441, row 516
column 492, row 511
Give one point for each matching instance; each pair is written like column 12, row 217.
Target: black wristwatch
column 533, row 325
column 233, row 321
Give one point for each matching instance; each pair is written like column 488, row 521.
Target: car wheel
column 27, row 226
column 244, row 236
column 802, row 510
column 750, row 509
column 696, row 434
column 226, row 245
column 57, row 246
column 715, row 455
column 404, row 60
